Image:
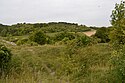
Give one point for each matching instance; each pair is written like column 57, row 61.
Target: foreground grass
column 53, row 64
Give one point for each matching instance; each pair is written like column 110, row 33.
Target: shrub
column 75, row 44
column 5, row 58
column 62, row 35
column 38, row 37
column 118, row 66
column 83, row 40
column 117, row 37
column 103, row 33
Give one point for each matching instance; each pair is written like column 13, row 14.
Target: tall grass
column 52, row 64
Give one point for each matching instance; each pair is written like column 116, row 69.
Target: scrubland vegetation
column 62, row 53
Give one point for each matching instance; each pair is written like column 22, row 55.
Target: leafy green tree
column 117, row 37
column 118, row 21
column 118, row 15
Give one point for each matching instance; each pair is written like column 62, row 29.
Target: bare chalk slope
column 90, row 33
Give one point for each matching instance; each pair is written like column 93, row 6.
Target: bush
column 62, row 35
column 83, row 40
column 5, row 58
column 118, row 66
column 103, row 33
column 75, row 44
column 117, row 37
column 38, row 37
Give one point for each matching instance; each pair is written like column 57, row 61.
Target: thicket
column 117, row 37
column 62, row 35
column 103, row 34
column 38, row 37
column 5, row 59
column 20, row 29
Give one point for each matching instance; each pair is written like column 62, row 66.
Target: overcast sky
column 86, row 12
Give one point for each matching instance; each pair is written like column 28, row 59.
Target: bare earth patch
column 90, row 33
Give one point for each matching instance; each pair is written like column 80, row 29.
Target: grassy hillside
column 55, row 64
column 62, row 53
column 57, row 53
column 20, row 29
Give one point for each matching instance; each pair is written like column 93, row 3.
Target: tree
column 118, row 15
column 117, row 35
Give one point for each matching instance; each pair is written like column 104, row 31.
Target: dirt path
column 90, row 33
